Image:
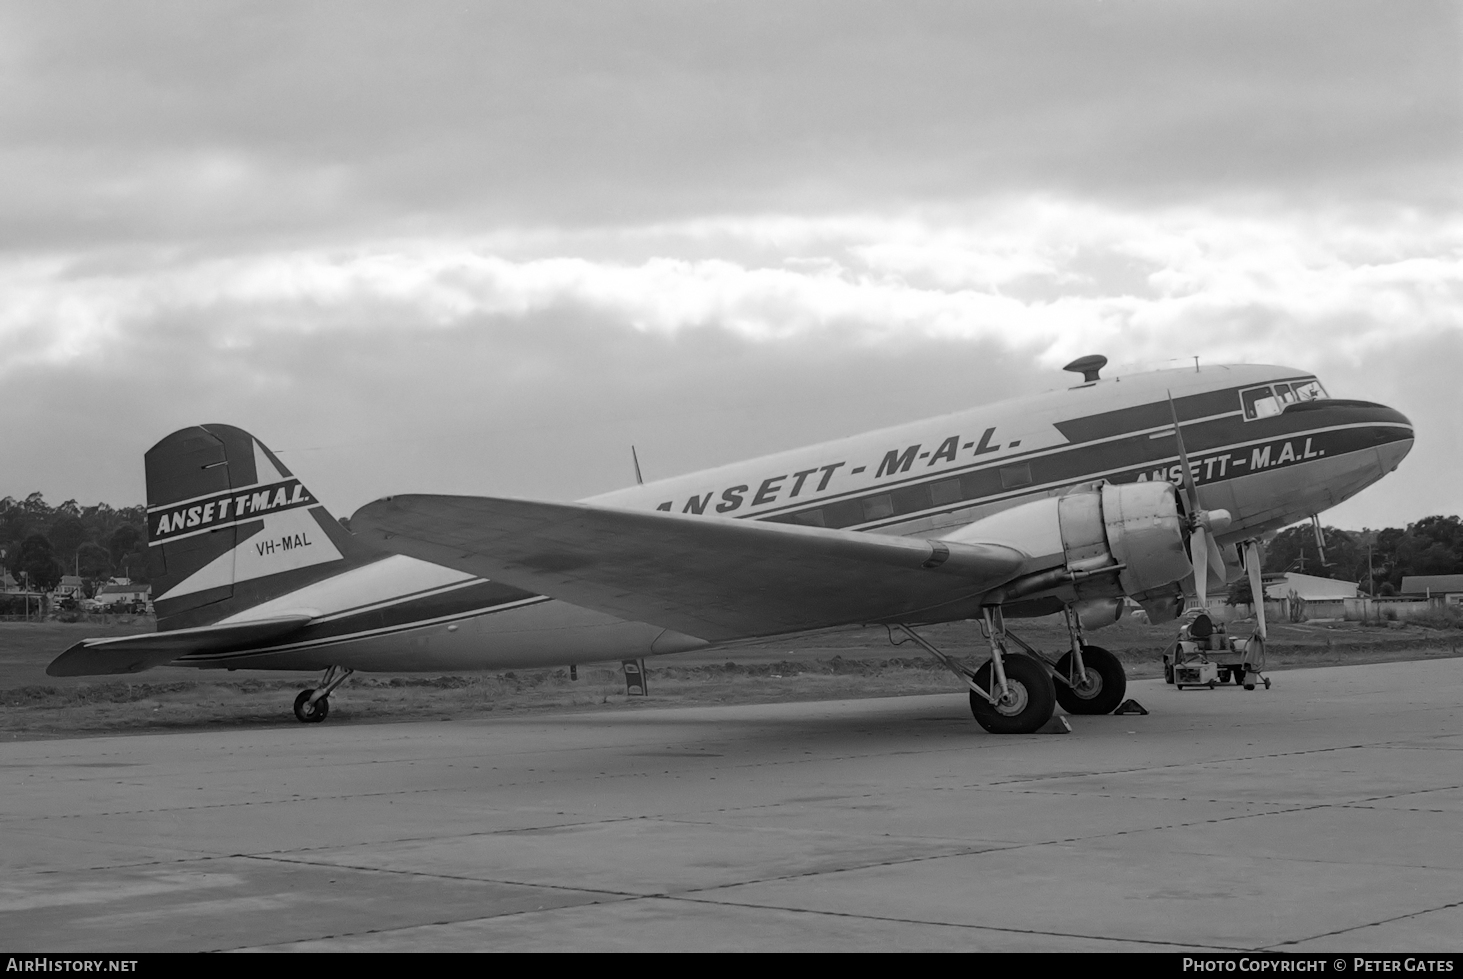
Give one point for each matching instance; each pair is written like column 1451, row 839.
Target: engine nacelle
column 1091, row 544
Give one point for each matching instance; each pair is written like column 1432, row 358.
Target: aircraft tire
column 307, row 713
column 1109, row 683
column 1033, row 697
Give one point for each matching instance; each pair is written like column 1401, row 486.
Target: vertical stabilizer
column 228, row 527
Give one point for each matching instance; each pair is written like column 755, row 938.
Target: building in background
column 122, row 592
column 1298, row 597
column 1448, row 587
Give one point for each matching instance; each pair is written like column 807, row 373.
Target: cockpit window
column 1308, row 390
column 1263, row 402
column 1260, row 403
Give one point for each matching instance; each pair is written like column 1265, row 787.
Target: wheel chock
column 1057, row 725
column 1130, row 707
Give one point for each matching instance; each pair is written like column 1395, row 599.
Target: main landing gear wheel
column 309, row 713
column 1029, row 704
column 1103, row 688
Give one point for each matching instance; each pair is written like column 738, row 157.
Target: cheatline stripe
column 1070, row 478
column 365, row 633
column 903, row 518
column 873, row 525
column 1002, row 461
column 1005, row 460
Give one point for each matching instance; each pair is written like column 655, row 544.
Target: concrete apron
column 1323, row 814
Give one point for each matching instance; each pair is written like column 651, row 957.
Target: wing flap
column 133, row 654
column 711, row 577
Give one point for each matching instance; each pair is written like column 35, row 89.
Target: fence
column 1391, row 609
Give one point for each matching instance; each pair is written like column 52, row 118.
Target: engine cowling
column 1093, row 544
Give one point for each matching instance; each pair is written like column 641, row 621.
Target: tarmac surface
column 1322, row 815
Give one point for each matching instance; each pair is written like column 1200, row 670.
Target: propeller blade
column 1191, row 492
column 1216, row 560
column 1199, row 552
column 1257, row 587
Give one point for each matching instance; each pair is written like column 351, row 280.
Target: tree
column 67, row 534
column 93, row 561
column 1240, row 593
column 38, row 563
column 135, row 565
column 1432, row 545
column 1294, row 549
column 123, row 541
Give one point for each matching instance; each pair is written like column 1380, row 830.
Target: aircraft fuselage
column 1265, row 443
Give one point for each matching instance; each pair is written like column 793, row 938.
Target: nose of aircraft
column 1391, row 450
column 1384, row 429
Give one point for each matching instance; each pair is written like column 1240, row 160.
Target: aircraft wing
column 711, row 577
column 133, row 654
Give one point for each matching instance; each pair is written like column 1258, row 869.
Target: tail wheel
column 1100, row 691
column 1028, row 705
column 308, row 713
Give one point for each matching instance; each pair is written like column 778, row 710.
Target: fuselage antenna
column 639, row 480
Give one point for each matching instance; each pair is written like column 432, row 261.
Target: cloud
column 499, row 242
column 179, row 121
column 1044, row 275
column 802, row 329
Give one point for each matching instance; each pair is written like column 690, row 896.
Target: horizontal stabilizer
column 716, row 578
column 133, row 654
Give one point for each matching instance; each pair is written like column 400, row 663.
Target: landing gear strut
column 313, row 706
column 1099, row 689
column 1010, row 693
column 1016, row 692
column 1095, row 681
column 1026, row 704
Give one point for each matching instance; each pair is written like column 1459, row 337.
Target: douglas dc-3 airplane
column 1143, row 487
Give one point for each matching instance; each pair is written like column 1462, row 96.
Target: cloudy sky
column 486, row 247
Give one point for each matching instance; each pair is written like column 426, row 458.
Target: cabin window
column 977, row 484
column 911, row 499
column 945, row 491
column 1014, row 476
column 1259, row 403
column 809, row 518
column 844, row 513
column 878, row 507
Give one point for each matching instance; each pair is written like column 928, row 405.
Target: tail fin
column 229, row 527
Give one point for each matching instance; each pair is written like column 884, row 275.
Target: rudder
column 229, row 527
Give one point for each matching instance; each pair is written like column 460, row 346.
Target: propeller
column 1202, row 524
column 1257, row 597
column 1257, row 587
